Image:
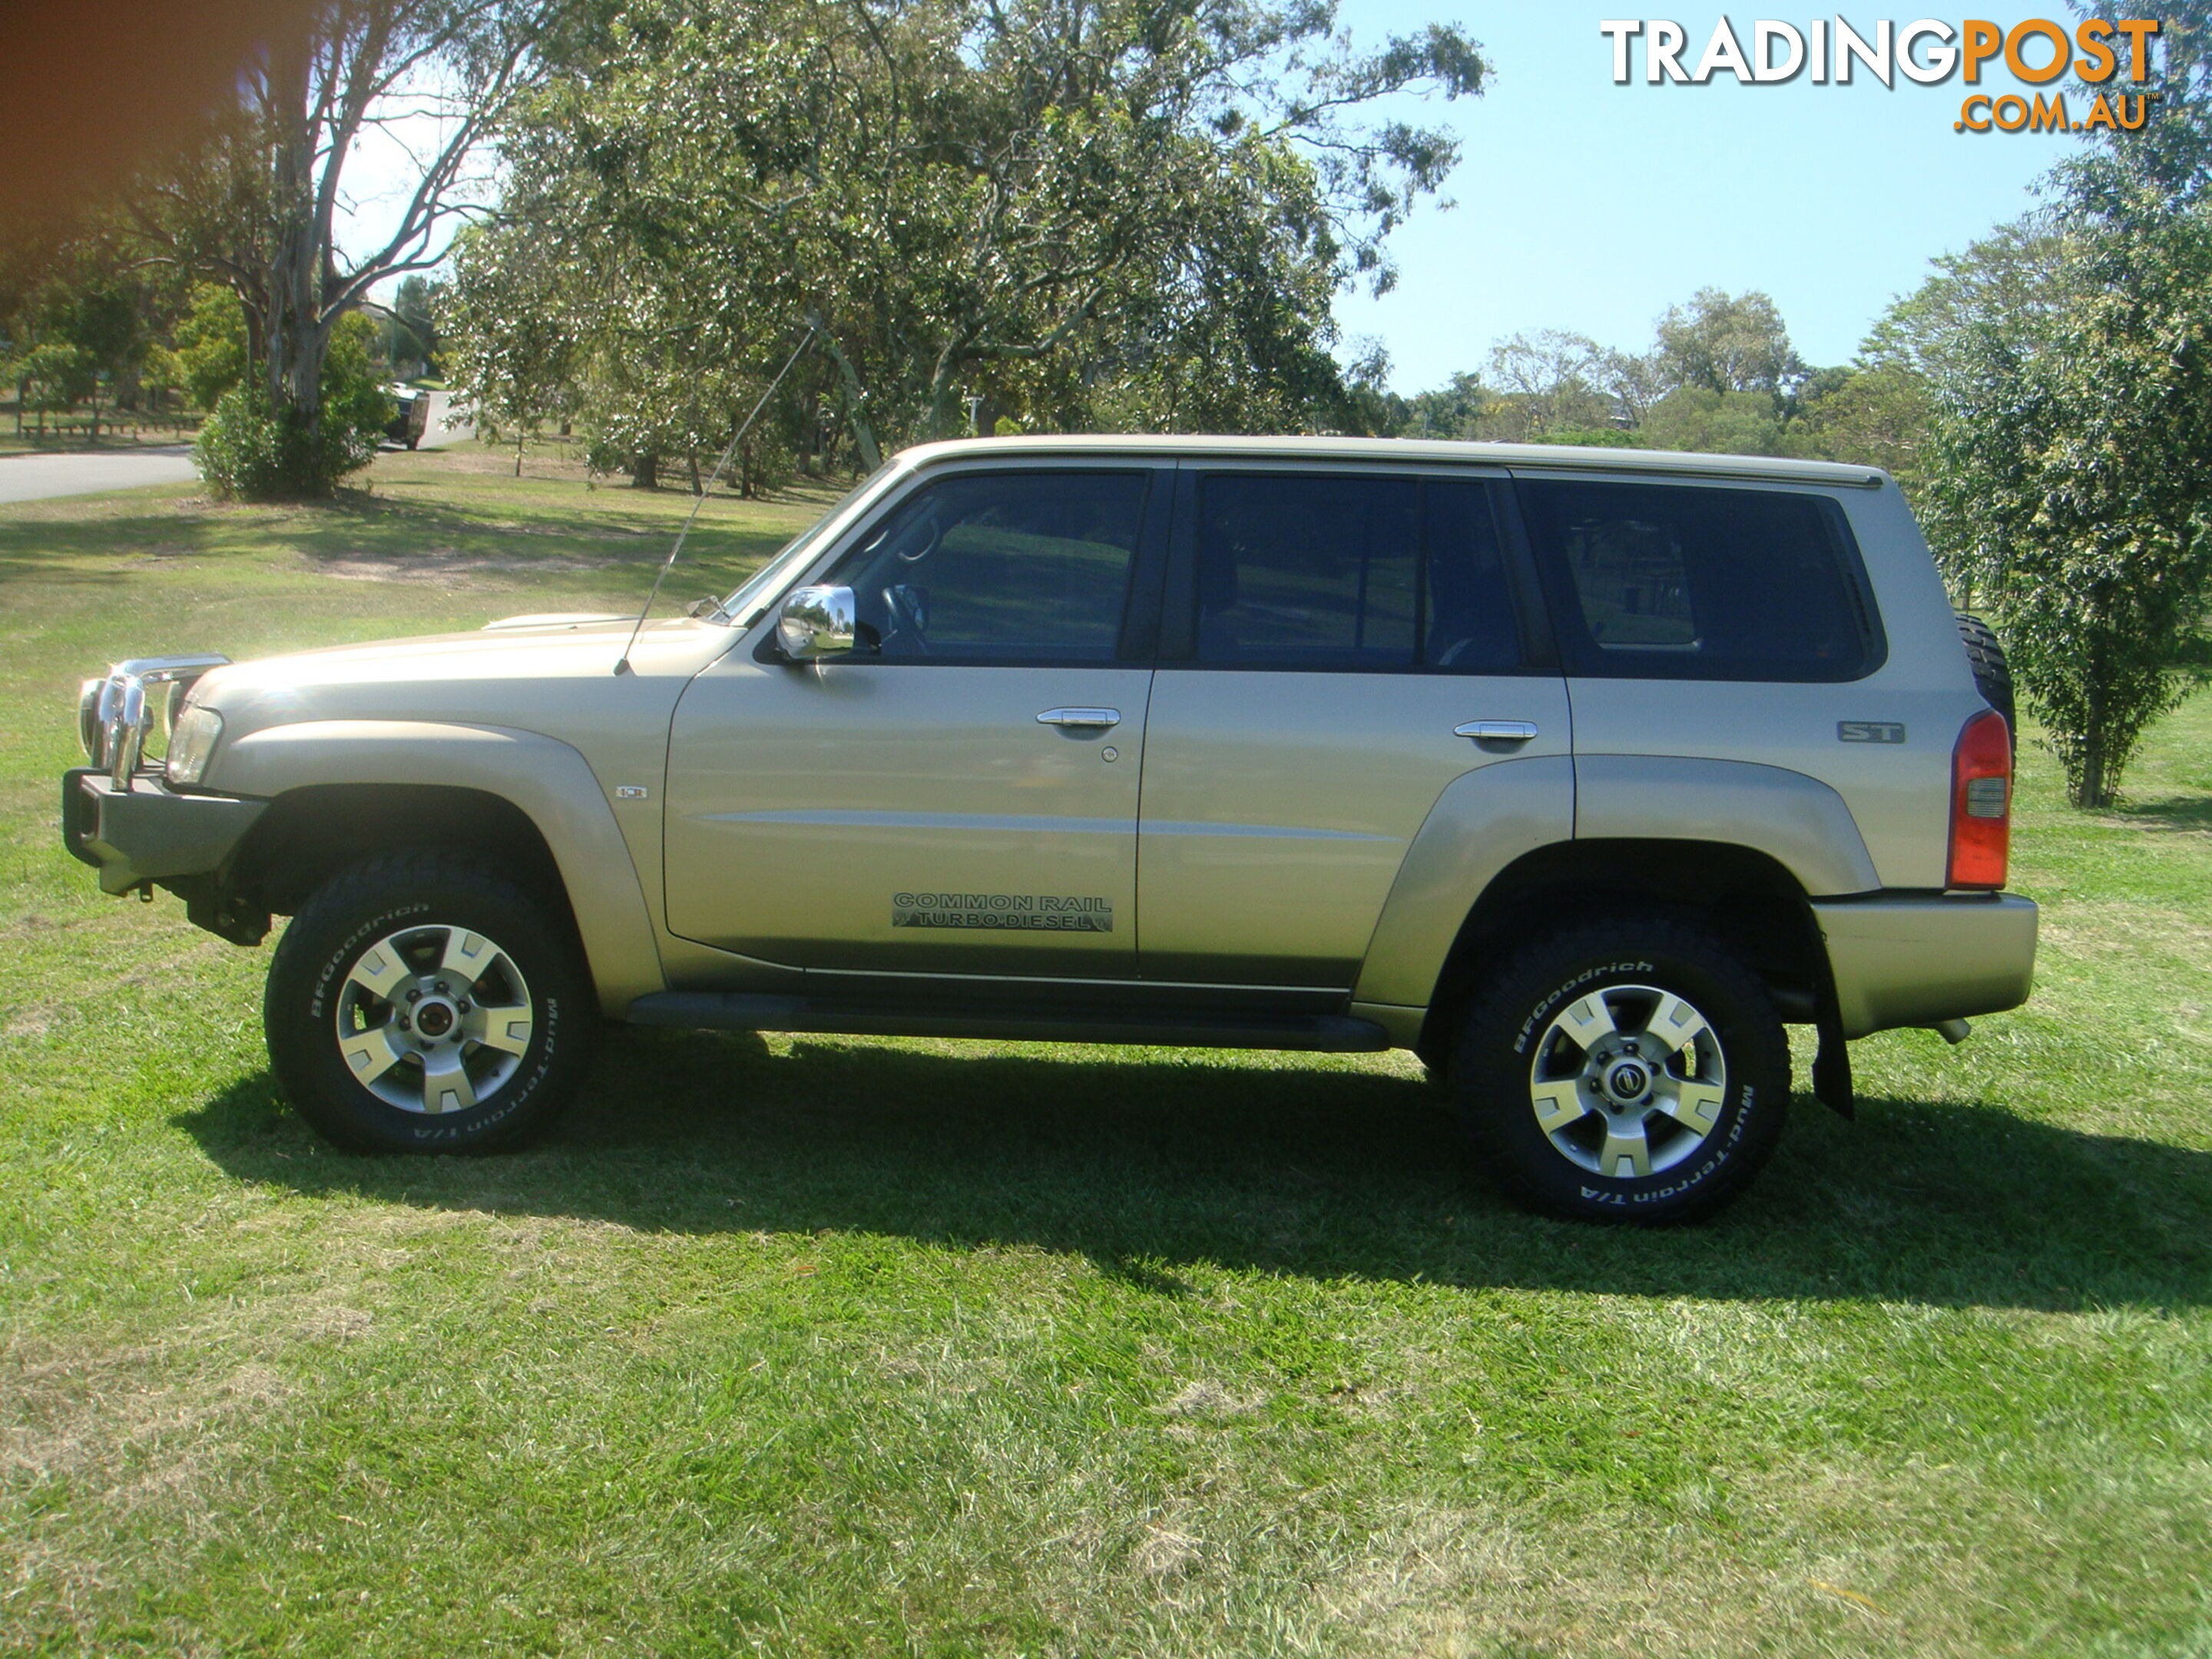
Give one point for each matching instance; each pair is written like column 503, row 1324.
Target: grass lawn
column 807, row 1346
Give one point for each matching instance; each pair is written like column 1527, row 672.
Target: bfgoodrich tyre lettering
column 1633, row 1070
column 423, row 1002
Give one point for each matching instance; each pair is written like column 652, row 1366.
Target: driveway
column 35, row 477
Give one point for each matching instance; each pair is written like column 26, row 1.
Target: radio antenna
column 621, row 664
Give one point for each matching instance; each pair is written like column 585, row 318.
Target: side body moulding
column 546, row 780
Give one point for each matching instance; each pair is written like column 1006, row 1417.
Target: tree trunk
column 864, row 433
column 645, row 472
column 518, row 441
column 692, row 461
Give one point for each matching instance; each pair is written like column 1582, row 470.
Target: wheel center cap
column 1627, row 1081
column 433, row 1019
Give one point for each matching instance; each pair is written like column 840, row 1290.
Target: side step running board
column 723, row 1011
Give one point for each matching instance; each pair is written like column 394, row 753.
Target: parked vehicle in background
column 411, row 417
column 1580, row 773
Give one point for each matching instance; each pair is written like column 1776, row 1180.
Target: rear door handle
column 1497, row 731
column 1093, row 719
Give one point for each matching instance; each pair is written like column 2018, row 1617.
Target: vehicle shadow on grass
column 1150, row 1166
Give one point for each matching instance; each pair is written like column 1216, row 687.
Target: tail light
column 1981, row 802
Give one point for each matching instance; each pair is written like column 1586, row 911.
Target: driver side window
column 1000, row 568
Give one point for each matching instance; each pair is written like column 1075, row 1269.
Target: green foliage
column 512, row 339
column 2074, row 473
column 211, row 343
column 1596, row 437
column 1721, row 376
column 1113, row 213
column 1723, row 342
column 407, row 333
column 1877, row 416
column 249, row 451
column 56, row 375
column 1699, row 418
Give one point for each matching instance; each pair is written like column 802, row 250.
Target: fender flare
column 1797, row 821
column 1489, row 818
column 548, row 781
column 1484, row 821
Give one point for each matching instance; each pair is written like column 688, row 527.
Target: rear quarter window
column 1690, row 581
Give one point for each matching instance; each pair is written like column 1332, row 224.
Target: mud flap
column 1832, row 1066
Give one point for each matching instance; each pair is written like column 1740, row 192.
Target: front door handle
column 1497, row 731
column 1089, row 718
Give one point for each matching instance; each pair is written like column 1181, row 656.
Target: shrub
column 250, row 452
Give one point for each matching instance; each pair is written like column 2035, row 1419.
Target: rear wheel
column 1626, row 1070
column 421, row 1001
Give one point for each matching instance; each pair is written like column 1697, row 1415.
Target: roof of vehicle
column 1549, row 456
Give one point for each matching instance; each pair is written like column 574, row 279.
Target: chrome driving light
column 90, row 730
column 193, row 740
column 114, row 712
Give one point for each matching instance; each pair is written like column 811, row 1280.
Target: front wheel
column 1625, row 1071
column 421, row 1001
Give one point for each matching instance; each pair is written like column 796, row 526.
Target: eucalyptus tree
column 1074, row 202
column 257, row 203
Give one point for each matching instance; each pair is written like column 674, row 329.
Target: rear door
column 1336, row 637
column 961, row 797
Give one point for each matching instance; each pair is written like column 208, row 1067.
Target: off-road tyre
column 1985, row 653
column 1512, row 1044
column 412, row 896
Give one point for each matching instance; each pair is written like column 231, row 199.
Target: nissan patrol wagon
column 1581, row 774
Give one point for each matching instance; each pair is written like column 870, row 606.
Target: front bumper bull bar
column 142, row 831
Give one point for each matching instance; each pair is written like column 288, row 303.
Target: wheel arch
column 338, row 788
column 309, row 834
column 1746, row 898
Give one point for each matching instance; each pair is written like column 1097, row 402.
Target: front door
column 1342, row 645
column 960, row 795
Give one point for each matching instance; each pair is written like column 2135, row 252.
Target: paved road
column 35, row 477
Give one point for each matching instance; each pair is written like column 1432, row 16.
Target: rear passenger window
column 1352, row 571
column 1684, row 581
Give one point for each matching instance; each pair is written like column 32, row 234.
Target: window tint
column 1347, row 571
column 1682, row 581
column 1469, row 609
column 1012, row 567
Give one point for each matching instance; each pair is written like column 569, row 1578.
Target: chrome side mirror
column 817, row 622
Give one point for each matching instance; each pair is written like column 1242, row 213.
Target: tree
column 2071, row 360
column 246, row 453
column 1109, row 210
column 102, row 319
column 1724, row 342
column 1877, row 414
column 1543, row 384
column 512, row 342
column 211, row 344
column 255, row 203
column 55, row 377
column 1699, row 418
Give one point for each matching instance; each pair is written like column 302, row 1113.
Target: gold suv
column 1580, row 773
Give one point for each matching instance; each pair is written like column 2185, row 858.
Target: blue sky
column 1589, row 206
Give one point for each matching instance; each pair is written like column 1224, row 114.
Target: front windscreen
column 738, row 607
